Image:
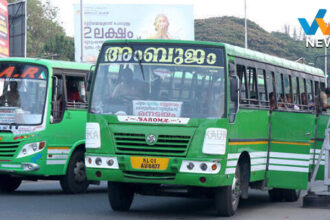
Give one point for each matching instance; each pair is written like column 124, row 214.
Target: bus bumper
column 121, row 170
column 19, row 168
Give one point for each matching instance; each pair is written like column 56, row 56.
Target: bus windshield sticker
column 170, row 55
column 156, row 120
column 29, row 72
column 7, row 115
column 156, row 108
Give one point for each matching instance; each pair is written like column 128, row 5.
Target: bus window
column 287, row 91
column 295, row 91
column 262, row 87
column 252, row 86
column 302, row 91
column 242, row 80
column 76, row 94
column 310, row 95
column 279, row 91
column 270, row 81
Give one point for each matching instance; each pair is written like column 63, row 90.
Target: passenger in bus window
column 11, row 98
column 324, row 98
column 290, row 103
column 281, row 102
column 310, row 104
column 73, row 92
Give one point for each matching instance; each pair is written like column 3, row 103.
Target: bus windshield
column 22, row 93
column 146, row 81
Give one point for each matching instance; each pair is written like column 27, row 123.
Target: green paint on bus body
column 285, row 147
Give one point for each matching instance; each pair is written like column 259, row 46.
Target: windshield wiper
column 139, row 60
column 13, row 124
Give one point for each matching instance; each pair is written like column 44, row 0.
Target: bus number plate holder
column 149, row 163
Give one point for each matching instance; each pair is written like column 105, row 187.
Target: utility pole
column 82, row 30
column 326, row 61
column 246, row 43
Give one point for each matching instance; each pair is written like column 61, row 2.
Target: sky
column 271, row 15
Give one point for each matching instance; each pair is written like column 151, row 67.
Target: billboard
column 17, row 28
column 4, row 32
column 105, row 22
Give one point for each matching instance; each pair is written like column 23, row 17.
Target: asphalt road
column 45, row 201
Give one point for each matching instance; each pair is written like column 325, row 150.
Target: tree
column 44, row 34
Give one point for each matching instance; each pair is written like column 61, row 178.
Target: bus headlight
column 31, row 148
column 93, row 138
column 215, row 141
column 206, row 167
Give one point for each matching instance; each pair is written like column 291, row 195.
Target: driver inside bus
column 129, row 87
column 12, row 96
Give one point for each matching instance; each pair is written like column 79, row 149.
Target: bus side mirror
column 55, row 84
column 234, row 89
column 89, row 80
column 234, row 98
column 232, row 68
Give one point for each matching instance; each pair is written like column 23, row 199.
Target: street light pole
column 82, row 30
column 246, row 43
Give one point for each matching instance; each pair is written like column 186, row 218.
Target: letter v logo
column 324, row 28
column 311, row 30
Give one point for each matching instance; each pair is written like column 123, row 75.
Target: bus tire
column 281, row 195
column 120, row 196
column 75, row 179
column 292, row 195
column 227, row 197
column 276, row 195
column 9, row 184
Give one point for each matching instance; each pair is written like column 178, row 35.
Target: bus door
column 249, row 131
column 292, row 124
column 68, row 110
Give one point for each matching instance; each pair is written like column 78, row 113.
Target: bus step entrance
column 320, row 198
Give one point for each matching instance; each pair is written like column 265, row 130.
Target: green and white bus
column 188, row 118
column 43, row 107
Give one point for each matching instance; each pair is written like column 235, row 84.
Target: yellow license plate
column 149, row 163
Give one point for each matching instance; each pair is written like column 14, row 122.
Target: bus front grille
column 166, row 145
column 8, row 149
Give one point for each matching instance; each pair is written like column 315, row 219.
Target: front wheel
column 227, row 197
column 75, row 179
column 9, row 184
column 120, row 195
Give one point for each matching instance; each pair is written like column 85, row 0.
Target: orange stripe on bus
column 248, row 142
column 312, row 141
column 290, row 143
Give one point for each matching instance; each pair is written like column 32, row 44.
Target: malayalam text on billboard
column 105, row 22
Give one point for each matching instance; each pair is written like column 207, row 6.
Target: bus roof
column 240, row 52
column 51, row 63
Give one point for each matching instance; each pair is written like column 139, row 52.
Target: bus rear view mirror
column 234, row 89
column 89, row 80
column 232, row 68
